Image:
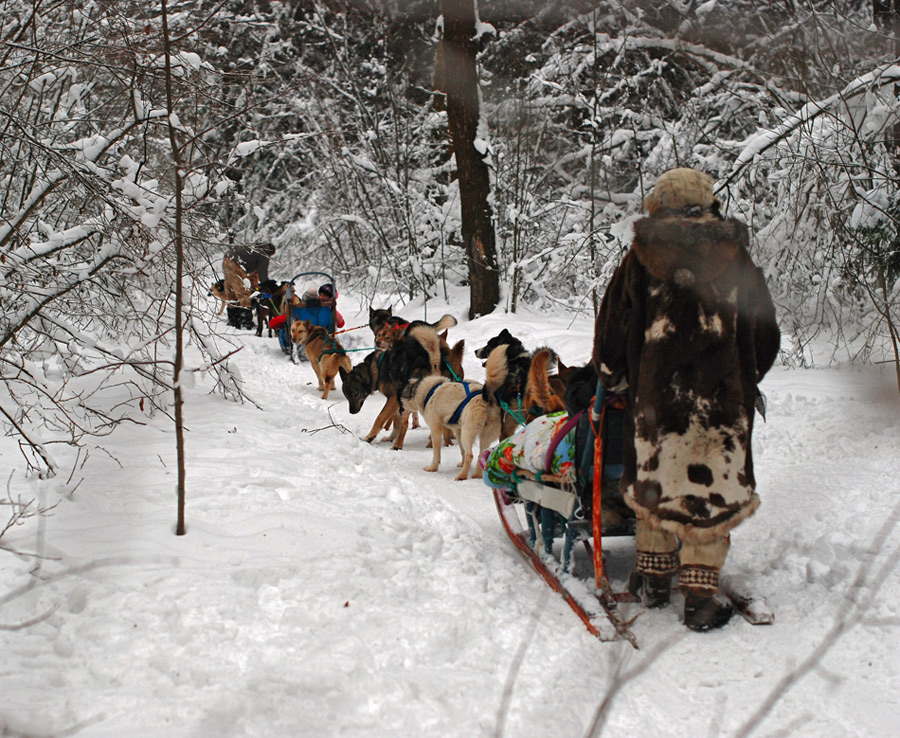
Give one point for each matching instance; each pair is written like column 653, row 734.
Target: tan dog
column 469, row 409
column 324, row 352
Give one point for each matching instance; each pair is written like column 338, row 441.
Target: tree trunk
column 460, row 80
column 180, row 528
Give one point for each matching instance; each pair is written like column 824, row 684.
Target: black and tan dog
column 417, row 355
column 512, row 391
column 451, row 359
column 324, row 352
column 468, row 409
column 217, row 290
column 267, row 302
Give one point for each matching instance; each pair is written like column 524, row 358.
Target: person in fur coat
column 244, row 267
column 686, row 331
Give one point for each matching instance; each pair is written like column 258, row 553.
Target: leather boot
column 655, row 589
column 247, row 319
column 702, row 612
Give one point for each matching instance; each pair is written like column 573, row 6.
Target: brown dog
column 324, row 352
column 543, row 393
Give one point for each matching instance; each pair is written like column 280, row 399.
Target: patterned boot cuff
column 701, row 580
column 657, row 564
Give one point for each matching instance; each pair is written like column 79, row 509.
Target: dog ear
column 343, row 372
column 505, row 336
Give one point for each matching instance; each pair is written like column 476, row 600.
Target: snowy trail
column 328, row 587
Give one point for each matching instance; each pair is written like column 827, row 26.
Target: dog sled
column 304, row 305
column 562, row 472
column 547, row 471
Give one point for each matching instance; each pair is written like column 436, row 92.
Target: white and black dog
column 511, row 392
column 469, row 409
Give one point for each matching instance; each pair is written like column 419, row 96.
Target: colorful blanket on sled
column 527, row 449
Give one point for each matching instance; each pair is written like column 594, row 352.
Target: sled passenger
column 244, row 267
column 327, row 294
column 686, row 331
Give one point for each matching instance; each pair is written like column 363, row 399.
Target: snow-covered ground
column 327, row 587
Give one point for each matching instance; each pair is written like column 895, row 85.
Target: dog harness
column 454, row 419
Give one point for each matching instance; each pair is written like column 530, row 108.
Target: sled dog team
column 685, row 332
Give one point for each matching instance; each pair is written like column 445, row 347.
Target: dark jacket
column 253, row 258
column 687, row 330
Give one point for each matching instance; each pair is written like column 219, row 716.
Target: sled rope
column 345, row 351
column 506, row 408
column 354, row 328
column 453, row 374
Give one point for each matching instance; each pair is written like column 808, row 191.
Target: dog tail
column 496, row 370
column 538, row 392
column 431, row 342
column 446, row 321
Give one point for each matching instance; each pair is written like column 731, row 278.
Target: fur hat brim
column 681, row 188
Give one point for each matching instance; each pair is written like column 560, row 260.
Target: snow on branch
column 882, row 76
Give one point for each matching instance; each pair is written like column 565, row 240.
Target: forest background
column 138, row 141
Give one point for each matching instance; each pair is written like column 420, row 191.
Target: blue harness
column 454, row 419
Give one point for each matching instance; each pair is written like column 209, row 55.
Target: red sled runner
column 566, row 503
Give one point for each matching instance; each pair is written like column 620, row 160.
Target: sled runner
column 302, row 306
column 547, row 471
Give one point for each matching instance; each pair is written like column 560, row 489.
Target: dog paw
column 430, row 468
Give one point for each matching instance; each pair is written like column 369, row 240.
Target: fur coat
column 687, row 330
column 253, row 259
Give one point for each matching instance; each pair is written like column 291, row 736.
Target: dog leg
column 329, row 371
column 390, row 409
column 490, row 434
column 403, row 425
column 466, row 436
column 317, row 369
column 436, row 432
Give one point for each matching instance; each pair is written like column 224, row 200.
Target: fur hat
column 681, row 188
